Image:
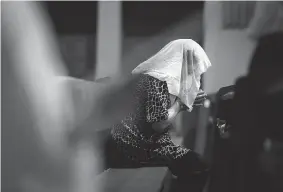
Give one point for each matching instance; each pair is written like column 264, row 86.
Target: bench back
column 148, row 179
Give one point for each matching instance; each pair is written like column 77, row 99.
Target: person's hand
column 201, row 97
column 181, row 105
column 223, row 127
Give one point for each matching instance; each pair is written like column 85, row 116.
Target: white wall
column 230, row 51
column 109, row 35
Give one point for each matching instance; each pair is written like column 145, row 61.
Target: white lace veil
column 180, row 63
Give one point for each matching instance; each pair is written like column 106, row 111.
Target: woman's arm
column 163, row 126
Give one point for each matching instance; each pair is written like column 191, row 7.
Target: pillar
column 109, row 38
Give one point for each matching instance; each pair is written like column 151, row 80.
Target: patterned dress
column 134, row 135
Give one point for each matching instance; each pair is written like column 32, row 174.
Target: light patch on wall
column 237, row 14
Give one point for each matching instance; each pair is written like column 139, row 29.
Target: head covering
column 180, row 63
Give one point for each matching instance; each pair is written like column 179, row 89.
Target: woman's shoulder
column 151, row 84
column 149, row 79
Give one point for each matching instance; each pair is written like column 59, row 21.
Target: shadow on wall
column 77, row 51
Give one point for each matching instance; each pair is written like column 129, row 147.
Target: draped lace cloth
column 180, row 63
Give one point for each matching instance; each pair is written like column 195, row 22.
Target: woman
column 169, row 84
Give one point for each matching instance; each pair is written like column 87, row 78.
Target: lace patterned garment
column 134, row 135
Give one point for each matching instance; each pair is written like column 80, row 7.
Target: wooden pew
column 147, row 179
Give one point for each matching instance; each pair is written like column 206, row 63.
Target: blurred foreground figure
column 257, row 134
column 42, row 107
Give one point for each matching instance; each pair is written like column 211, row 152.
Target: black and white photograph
column 141, row 96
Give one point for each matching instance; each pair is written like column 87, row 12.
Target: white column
column 109, row 36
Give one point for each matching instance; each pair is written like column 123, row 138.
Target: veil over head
column 180, row 63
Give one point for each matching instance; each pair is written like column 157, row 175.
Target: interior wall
column 78, row 53
column 230, row 53
column 229, row 50
column 75, row 24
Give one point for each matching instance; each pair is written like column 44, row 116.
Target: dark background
column 139, row 18
column 75, row 23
